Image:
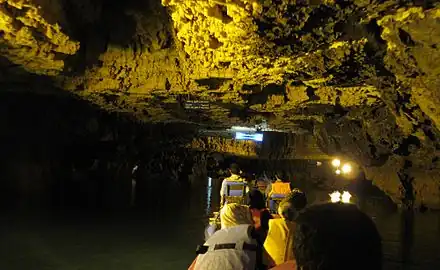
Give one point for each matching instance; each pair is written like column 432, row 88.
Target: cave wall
column 63, row 152
column 360, row 75
column 405, row 167
column 275, row 146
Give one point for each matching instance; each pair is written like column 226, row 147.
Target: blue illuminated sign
column 258, row 137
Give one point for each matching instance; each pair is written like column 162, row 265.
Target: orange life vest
column 280, row 188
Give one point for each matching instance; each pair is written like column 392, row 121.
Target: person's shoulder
column 266, row 212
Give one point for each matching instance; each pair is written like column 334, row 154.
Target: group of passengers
column 316, row 237
column 236, row 185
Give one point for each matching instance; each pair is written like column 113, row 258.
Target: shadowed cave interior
column 92, row 89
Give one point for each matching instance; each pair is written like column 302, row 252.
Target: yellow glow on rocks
column 30, row 40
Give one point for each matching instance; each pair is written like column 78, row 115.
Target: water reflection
column 407, row 236
column 208, row 196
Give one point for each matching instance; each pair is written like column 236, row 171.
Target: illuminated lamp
column 336, row 162
column 346, row 197
column 335, row 197
column 346, row 168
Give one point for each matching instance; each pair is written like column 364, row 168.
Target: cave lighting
column 318, row 163
column 243, row 128
column 258, row 137
column 346, row 168
column 336, row 162
column 346, row 197
column 335, row 197
column 338, row 172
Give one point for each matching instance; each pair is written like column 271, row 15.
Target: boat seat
column 235, row 188
column 274, row 201
column 235, row 192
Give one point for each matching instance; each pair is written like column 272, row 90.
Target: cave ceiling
column 289, row 62
column 295, row 64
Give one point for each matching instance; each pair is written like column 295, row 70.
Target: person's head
column 298, row 199
column 291, row 206
column 279, row 175
column 233, row 214
column 261, row 183
column 256, row 199
column 336, row 236
column 234, row 168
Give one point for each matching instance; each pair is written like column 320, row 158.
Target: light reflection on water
column 208, row 196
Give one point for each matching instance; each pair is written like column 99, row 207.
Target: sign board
column 197, row 105
column 258, row 137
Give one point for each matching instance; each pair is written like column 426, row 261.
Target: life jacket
column 229, row 248
column 279, row 189
column 235, row 188
column 279, row 240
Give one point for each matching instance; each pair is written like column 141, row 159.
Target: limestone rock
column 32, row 36
column 361, row 76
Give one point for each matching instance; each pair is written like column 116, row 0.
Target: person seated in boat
column 278, row 191
column 335, row 236
column 233, row 246
column 233, row 186
column 261, row 185
column 279, row 240
column 260, row 214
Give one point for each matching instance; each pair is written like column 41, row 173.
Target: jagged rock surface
column 359, row 75
column 32, row 37
column 276, row 146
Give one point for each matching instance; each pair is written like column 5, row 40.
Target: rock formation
column 360, row 75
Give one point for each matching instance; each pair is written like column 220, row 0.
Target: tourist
column 279, row 241
column 232, row 247
column 260, row 214
column 261, row 185
column 278, row 191
column 234, row 185
column 335, row 236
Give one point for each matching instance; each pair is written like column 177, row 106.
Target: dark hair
column 291, row 206
column 337, row 236
column 235, row 169
column 298, row 199
column 255, row 199
column 280, row 174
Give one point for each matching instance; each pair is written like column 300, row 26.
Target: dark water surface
column 165, row 237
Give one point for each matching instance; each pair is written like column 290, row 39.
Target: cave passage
column 119, row 121
column 82, row 188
